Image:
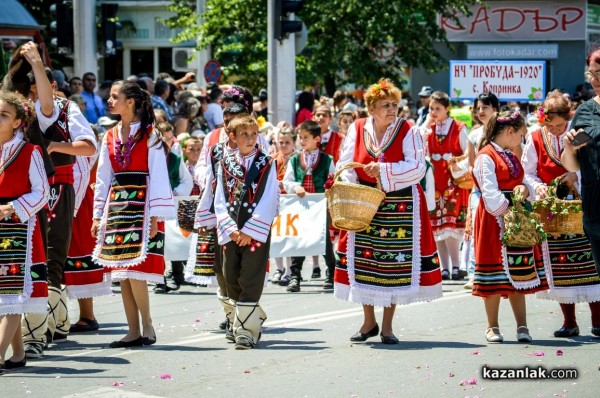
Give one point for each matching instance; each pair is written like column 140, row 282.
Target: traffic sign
column 212, row 71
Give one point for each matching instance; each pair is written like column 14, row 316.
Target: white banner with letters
column 298, row 230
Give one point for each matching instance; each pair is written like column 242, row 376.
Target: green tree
column 343, row 36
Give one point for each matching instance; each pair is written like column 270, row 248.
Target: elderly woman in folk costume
column 394, row 261
column 572, row 275
column 130, row 198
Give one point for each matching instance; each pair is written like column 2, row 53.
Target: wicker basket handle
column 354, row 165
column 574, row 191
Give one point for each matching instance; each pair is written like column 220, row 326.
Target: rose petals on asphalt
column 476, row 352
column 538, row 353
column 559, row 353
column 118, row 384
column 246, row 371
column 469, row 382
column 166, row 376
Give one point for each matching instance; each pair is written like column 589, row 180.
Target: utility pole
column 84, row 28
column 203, row 55
column 281, row 87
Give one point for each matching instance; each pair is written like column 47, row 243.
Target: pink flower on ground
column 472, row 381
column 166, row 376
column 118, row 384
column 538, row 353
column 559, row 353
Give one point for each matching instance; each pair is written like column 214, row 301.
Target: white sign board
column 509, row 80
column 512, row 51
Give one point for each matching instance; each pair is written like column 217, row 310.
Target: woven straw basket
column 527, row 234
column 352, row 206
column 562, row 224
column 186, row 211
column 459, row 169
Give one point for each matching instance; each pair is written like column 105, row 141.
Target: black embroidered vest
column 59, row 132
column 243, row 189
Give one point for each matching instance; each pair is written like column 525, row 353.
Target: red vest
column 14, row 181
column 334, row 145
column 547, row 169
column 214, row 138
column 391, row 154
column 139, row 153
column 450, row 144
column 505, row 181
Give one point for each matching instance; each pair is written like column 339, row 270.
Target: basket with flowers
column 561, row 211
column 522, row 227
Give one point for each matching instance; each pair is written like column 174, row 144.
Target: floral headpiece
column 261, row 122
column 377, row 88
column 542, row 114
column 233, row 94
column 510, row 118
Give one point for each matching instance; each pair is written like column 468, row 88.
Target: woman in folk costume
column 502, row 271
column 24, row 190
column 131, row 196
column 572, row 275
column 446, row 139
column 84, row 279
column 394, row 261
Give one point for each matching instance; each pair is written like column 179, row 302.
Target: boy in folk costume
column 246, row 202
column 331, row 141
column 205, row 265
column 306, row 173
column 67, row 134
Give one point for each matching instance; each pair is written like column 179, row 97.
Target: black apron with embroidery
column 13, row 253
column 124, row 234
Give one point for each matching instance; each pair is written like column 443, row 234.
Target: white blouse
column 394, row 176
column 81, row 179
column 30, row 203
column 160, row 197
column 442, row 129
column 79, row 127
column 310, row 158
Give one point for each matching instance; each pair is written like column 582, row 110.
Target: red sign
column 212, row 71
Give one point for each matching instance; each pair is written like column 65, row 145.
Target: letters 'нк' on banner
column 298, row 230
column 300, row 227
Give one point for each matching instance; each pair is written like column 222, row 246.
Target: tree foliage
column 346, row 36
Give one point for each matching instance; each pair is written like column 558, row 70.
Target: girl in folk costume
column 446, row 139
column 129, row 199
column 394, row 261
column 205, row 265
column 286, row 140
column 24, row 190
column 572, row 275
column 502, row 271
column 84, row 279
column 331, row 141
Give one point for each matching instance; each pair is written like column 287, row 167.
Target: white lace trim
column 145, row 238
column 21, row 299
column 572, row 295
column 35, row 305
column 547, row 263
column 191, row 264
column 119, row 275
column 366, row 297
column 76, row 292
column 448, row 232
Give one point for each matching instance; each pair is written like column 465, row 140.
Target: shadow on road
column 422, row 345
column 281, row 330
column 300, row 345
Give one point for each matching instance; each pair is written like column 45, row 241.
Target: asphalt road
column 305, row 352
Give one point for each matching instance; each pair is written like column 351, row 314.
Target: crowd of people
column 84, row 199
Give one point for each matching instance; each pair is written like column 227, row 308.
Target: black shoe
column 294, row 285
column 89, row 326
column 172, row 286
column 34, row 350
column 389, row 339
column 126, row 344
column 445, row 275
column 285, row 280
column 224, row 325
column 160, row 288
column 59, row 338
column 567, row 332
column 328, row 284
column 456, row 275
column 364, row 336
column 316, row 274
column 149, row 340
column 596, row 331
column 8, row 364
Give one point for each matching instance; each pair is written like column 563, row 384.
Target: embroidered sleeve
column 104, row 177
column 347, row 155
column 259, row 224
column 200, row 169
column 79, row 127
column 204, row 217
column 411, row 170
column 29, row 204
column 160, row 197
column 463, row 138
column 493, row 199
column 225, row 224
column 289, row 179
column 530, row 162
column 186, row 183
column 430, row 191
column 81, row 177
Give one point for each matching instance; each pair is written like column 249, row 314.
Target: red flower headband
column 510, row 118
column 542, row 114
